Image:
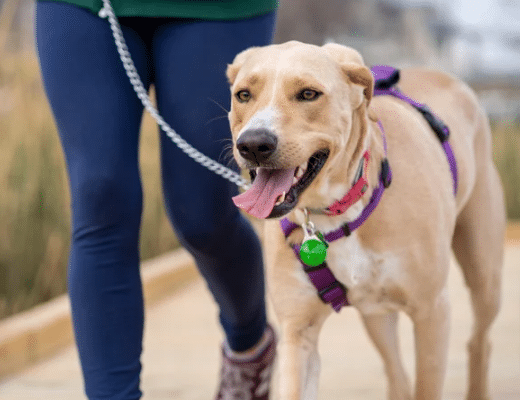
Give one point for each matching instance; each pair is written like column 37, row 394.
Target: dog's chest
column 372, row 279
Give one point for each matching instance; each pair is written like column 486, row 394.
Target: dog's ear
column 353, row 67
column 343, row 54
column 238, row 62
column 361, row 75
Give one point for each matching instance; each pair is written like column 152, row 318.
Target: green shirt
column 200, row 9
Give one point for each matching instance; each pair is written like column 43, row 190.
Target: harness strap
column 386, row 77
column 329, row 289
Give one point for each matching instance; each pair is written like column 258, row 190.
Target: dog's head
column 298, row 114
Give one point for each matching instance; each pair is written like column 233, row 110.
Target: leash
column 108, row 12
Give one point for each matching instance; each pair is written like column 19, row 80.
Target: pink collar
column 356, row 191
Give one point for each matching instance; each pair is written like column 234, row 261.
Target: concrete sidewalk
column 182, row 338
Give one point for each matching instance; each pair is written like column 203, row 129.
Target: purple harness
column 386, row 77
column 330, row 290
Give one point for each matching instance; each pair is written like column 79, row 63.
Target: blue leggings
column 98, row 116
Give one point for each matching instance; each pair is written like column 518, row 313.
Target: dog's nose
column 257, row 144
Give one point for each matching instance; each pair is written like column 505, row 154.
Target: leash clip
column 308, row 226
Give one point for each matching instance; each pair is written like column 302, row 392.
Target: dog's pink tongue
column 260, row 198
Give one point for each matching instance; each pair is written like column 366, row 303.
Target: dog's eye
column 308, row 95
column 243, row 96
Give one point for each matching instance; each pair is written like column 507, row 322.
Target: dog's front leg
column 431, row 328
column 382, row 329
column 300, row 314
column 299, row 362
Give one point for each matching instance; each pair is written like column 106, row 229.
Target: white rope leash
column 108, row 12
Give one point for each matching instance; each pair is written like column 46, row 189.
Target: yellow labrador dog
column 306, row 124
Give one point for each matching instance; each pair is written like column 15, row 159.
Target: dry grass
column 34, row 201
column 506, row 152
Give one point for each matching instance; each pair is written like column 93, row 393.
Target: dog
column 306, row 124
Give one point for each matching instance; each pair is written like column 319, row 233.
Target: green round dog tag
column 313, row 251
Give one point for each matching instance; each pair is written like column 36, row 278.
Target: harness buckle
column 332, row 286
column 385, row 76
column 310, row 268
column 386, row 175
column 346, row 230
column 440, row 129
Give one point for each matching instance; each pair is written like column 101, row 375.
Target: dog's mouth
column 275, row 192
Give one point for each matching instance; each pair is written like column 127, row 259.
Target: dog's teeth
column 280, row 199
column 302, row 168
column 299, row 172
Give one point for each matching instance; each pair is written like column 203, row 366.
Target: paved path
column 181, row 351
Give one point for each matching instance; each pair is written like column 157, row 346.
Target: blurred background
column 479, row 41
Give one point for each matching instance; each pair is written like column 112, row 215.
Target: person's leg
column 98, row 117
column 190, row 60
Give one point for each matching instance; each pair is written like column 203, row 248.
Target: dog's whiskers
column 227, row 155
column 229, row 142
column 216, row 118
column 218, row 104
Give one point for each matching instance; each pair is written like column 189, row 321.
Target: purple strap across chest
column 330, row 290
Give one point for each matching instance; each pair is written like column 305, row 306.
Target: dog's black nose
column 256, row 144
